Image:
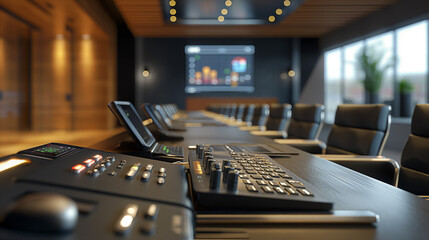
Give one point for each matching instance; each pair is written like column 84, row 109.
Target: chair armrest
column 270, row 133
column 308, row 145
column 378, row 167
column 252, row 128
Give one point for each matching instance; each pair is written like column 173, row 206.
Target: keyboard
column 169, row 150
column 242, row 181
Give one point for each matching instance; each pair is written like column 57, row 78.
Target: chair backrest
column 359, row 129
column 307, row 121
column 414, row 171
column 240, row 112
column 232, row 111
column 248, row 116
column 260, row 115
column 279, row 117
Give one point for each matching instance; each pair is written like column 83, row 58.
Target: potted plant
column 405, row 90
column 369, row 62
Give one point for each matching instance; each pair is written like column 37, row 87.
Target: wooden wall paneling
column 14, row 76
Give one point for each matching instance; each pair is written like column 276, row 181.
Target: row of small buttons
column 78, row 168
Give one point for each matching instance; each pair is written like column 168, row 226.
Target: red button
column 89, row 162
column 78, row 168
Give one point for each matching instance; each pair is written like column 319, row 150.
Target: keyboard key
column 305, row 192
column 274, row 184
column 267, row 189
column 267, row 177
column 257, row 177
column 251, row 172
column 247, row 182
column 291, row 191
column 262, row 182
column 251, row 188
column 296, row 184
column 244, row 176
column 280, row 190
column 285, row 176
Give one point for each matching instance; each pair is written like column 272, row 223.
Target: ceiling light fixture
column 286, row 3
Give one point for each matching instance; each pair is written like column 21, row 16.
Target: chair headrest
column 419, row 125
column 308, row 112
column 367, row 116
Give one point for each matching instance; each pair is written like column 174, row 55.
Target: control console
column 233, row 181
column 58, row 191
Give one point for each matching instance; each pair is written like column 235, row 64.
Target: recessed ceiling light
column 271, row 18
column 224, row 11
column 173, row 18
column 279, row 11
column 228, row 3
column 220, row 18
column 173, row 11
column 172, row 3
column 286, row 3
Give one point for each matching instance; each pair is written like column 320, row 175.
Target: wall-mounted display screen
column 219, row 68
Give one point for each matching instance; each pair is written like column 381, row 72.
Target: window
column 412, row 60
column 407, row 59
column 332, row 83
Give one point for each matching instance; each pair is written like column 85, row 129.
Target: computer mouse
column 43, row 212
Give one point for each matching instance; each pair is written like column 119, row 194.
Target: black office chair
column 259, row 119
column 240, row 112
column 357, row 130
column 357, row 139
column 305, row 127
column 307, row 121
column 278, row 121
column 414, row 173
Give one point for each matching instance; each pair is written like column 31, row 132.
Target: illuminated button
column 283, row 184
column 149, row 167
column 161, row 170
column 97, row 157
column 89, row 162
column 113, row 173
column 161, row 180
column 101, row 167
column 152, row 212
column 145, row 176
column 126, row 221
column 112, row 159
column 93, row 173
column 133, row 170
column 163, row 175
column 78, row 168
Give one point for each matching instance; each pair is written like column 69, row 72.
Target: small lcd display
column 50, row 150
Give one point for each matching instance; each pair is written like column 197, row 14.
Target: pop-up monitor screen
column 130, row 119
column 219, row 68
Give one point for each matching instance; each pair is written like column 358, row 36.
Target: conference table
column 402, row 215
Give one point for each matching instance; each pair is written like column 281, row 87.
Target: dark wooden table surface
column 402, row 214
